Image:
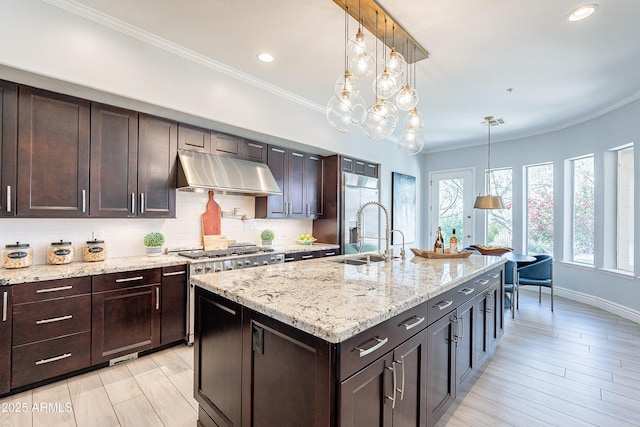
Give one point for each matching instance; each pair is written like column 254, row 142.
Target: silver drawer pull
column 381, row 342
column 443, row 304
column 61, row 288
column 494, row 275
column 408, row 326
column 129, row 279
column 466, row 291
column 329, row 254
column 54, row 319
column 289, row 259
column 174, row 273
column 53, row 359
column 306, row 256
column 482, row 281
column 5, row 298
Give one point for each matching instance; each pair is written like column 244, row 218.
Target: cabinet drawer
column 362, row 349
column 40, row 291
column 49, row 319
column 128, row 279
column 442, row 304
column 47, row 359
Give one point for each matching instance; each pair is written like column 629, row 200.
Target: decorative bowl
column 492, row 250
column 306, row 242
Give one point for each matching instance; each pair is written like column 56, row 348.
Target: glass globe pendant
column 362, row 65
column 413, row 121
column 345, row 114
column 385, row 85
column 411, row 143
column 382, row 119
column 396, row 62
column 407, row 98
column 347, row 86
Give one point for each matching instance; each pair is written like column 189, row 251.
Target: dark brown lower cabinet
column 5, row 339
column 390, row 391
column 125, row 313
column 174, row 304
column 441, row 353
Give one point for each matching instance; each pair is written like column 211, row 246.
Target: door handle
column 8, row 198
column 392, row 398
column 141, row 203
column 157, row 297
column 133, row 203
column 84, row 201
column 5, row 298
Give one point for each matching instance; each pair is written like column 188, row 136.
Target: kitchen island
column 327, row 343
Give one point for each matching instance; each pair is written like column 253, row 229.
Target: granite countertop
column 40, row 272
column 335, row 301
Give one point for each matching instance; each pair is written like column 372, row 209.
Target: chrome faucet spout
column 387, row 238
column 402, row 253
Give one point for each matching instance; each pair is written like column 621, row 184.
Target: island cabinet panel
column 5, row 339
column 157, row 154
column 53, row 154
column 8, row 147
column 125, row 314
column 114, row 161
column 173, row 297
column 217, row 358
column 441, row 352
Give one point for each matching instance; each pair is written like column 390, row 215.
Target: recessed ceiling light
column 265, row 57
column 582, row 12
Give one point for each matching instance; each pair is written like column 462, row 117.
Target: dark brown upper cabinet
column 157, row 154
column 360, row 167
column 114, row 161
column 53, row 154
column 194, row 138
column 299, row 176
column 8, row 147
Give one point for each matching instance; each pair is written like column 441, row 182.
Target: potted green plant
column 154, row 241
column 267, row 237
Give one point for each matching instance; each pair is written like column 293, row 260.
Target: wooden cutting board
column 211, row 218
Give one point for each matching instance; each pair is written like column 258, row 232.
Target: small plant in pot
column 267, row 237
column 154, row 241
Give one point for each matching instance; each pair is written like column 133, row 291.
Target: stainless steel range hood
column 225, row 175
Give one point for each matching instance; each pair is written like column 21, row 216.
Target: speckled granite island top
column 335, row 301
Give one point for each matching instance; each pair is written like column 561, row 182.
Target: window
column 539, row 208
column 500, row 221
column 624, row 209
column 582, row 209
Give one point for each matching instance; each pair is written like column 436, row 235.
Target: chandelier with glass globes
column 392, row 88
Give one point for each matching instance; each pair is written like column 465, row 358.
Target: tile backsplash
column 124, row 236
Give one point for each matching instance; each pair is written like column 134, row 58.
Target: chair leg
column 551, row 297
column 539, row 294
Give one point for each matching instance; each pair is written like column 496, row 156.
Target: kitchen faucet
column 388, row 231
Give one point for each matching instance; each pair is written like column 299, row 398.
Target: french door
column 451, row 205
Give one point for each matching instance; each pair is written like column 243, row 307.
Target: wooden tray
column 431, row 254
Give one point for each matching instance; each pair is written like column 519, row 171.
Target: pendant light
column 488, row 201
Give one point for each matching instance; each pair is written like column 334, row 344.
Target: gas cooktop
column 230, row 251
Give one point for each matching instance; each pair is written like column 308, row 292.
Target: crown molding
column 178, row 50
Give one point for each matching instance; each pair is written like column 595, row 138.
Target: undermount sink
column 359, row 260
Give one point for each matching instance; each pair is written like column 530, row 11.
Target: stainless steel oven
column 236, row 257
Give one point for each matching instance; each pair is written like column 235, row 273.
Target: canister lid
column 17, row 245
column 95, row 242
column 60, row 243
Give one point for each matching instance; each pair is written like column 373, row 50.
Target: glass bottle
column 453, row 242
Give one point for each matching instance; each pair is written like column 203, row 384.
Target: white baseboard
column 606, row 305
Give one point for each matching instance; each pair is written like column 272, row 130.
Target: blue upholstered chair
column 538, row 273
column 511, row 285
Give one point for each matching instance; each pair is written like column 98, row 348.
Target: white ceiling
column 560, row 73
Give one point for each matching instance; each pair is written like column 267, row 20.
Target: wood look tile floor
column 578, row 366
